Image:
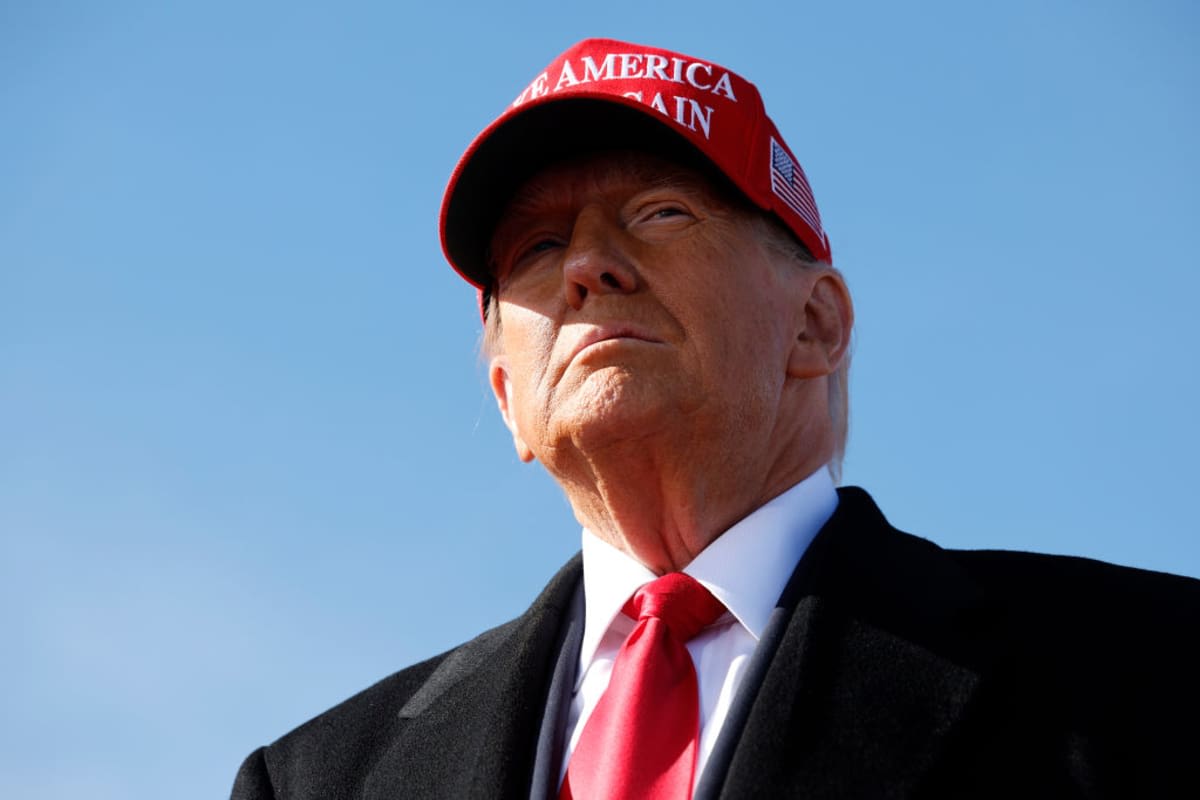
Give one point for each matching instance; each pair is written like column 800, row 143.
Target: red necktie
column 641, row 740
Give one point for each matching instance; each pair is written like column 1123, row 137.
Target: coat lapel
column 472, row 728
column 552, row 736
column 876, row 663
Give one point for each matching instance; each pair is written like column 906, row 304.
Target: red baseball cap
column 602, row 94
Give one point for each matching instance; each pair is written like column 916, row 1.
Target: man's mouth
column 607, row 333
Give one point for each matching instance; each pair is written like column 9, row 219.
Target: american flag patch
column 791, row 186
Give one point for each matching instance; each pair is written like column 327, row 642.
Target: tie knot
column 678, row 600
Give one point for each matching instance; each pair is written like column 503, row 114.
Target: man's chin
column 620, row 419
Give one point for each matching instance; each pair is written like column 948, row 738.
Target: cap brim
column 516, row 147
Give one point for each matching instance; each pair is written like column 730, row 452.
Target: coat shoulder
column 1086, row 669
column 1065, row 594
column 1108, row 635
column 325, row 756
column 332, row 755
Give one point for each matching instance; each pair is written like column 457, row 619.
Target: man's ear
column 825, row 327
column 502, row 389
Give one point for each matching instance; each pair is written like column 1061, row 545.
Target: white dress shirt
column 746, row 568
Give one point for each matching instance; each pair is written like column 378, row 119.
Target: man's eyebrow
column 676, row 183
column 545, row 197
column 532, row 202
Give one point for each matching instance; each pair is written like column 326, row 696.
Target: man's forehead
column 567, row 183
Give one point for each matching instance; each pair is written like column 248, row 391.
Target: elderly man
column 667, row 336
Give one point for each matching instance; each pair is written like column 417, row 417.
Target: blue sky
column 244, row 439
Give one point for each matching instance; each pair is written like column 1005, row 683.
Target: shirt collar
column 746, row 568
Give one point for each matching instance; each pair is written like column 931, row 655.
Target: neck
column 663, row 505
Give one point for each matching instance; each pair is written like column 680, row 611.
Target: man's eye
column 542, row 245
column 526, row 254
column 536, row 248
column 664, row 212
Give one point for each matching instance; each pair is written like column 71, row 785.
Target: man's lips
column 607, row 333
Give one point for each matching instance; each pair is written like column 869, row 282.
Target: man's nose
column 595, row 261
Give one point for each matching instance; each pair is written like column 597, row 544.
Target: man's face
column 635, row 301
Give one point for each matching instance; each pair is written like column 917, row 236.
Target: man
column 667, row 336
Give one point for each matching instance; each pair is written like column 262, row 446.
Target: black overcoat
column 891, row 668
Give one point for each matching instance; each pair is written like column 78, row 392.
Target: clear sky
column 245, row 444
